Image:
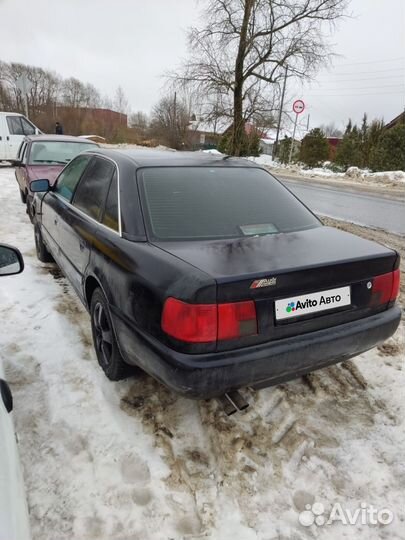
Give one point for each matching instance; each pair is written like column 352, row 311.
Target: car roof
column 7, row 113
column 149, row 157
column 60, row 138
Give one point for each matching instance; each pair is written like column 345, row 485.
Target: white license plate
column 312, row 303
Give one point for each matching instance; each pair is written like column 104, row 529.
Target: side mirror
column 11, row 261
column 38, row 186
column 6, row 395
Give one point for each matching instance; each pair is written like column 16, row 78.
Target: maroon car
column 44, row 156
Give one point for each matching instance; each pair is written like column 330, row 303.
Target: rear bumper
column 203, row 376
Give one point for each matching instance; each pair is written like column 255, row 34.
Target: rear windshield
column 195, row 203
column 56, row 152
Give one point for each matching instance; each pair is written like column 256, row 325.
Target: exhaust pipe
column 232, row 402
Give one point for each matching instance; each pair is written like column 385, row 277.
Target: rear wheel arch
column 91, row 284
column 118, row 369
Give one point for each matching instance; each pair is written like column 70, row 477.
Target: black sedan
column 208, row 273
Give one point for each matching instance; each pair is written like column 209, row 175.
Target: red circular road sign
column 298, row 106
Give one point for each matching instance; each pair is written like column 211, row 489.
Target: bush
column 314, row 148
column 389, row 152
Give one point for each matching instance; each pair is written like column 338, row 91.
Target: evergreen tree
column 389, row 152
column 349, row 151
column 374, row 131
column 314, row 148
column 284, row 149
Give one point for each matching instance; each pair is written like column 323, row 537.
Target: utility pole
column 293, row 139
column 308, row 123
column 175, row 115
column 275, row 147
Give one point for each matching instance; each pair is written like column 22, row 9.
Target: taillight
column 236, row 320
column 385, row 288
column 204, row 323
column 195, row 323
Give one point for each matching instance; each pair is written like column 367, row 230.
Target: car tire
column 105, row 343
column 30, row 209
column 41, row 249
column 23, row 197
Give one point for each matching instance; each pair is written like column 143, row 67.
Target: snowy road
column 130, row 460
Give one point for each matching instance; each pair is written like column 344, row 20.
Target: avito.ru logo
column 290, row 307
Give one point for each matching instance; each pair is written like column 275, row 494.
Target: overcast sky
column 132, row 42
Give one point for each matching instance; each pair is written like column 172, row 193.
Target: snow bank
column 353, row 174
column 213, row 151
column 265, row 159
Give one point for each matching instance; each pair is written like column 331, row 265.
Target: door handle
column 8, row 138
column 81, row 246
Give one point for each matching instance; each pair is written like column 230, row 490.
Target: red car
column 44, row 156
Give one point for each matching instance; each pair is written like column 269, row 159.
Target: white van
column 13, row 128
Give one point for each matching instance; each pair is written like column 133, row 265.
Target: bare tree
column 170, row 121
column 331, row 130
column 121, row 104
column 139, row 120
column 245, row 44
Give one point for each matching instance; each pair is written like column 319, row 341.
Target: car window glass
column 21, row 151
column 191, row 203
column 70, row 176
column 57, row 152
column 24, row 153
column 110, row 217
column 14, row 125
column 28, row 128
column 92, row 190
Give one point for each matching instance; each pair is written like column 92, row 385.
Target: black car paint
column 137, row 276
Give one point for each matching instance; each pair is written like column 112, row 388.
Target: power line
column 374, row 61
column 401, row 86
column 365, row 72
column 384, row 77
column 364, row 94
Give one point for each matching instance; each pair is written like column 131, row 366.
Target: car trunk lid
column 283, row 266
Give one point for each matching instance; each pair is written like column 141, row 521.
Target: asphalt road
column 348, row 205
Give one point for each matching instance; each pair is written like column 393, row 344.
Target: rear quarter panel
column 137, row 277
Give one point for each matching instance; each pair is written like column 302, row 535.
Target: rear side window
column 110, row 217
column 92, row 190
column 186, row 203
column 70, row 176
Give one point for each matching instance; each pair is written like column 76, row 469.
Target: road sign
column 298, row 106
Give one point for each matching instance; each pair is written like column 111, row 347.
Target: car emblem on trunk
column 266, row 282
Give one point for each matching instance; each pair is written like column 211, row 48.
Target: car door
column 14, row 136
column 80, row 229
column 18, row 127
column 20, row 170
column 2, row 137
column 54, row 207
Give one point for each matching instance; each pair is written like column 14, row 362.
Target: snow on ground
column 130, row 460
column 353, row 174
